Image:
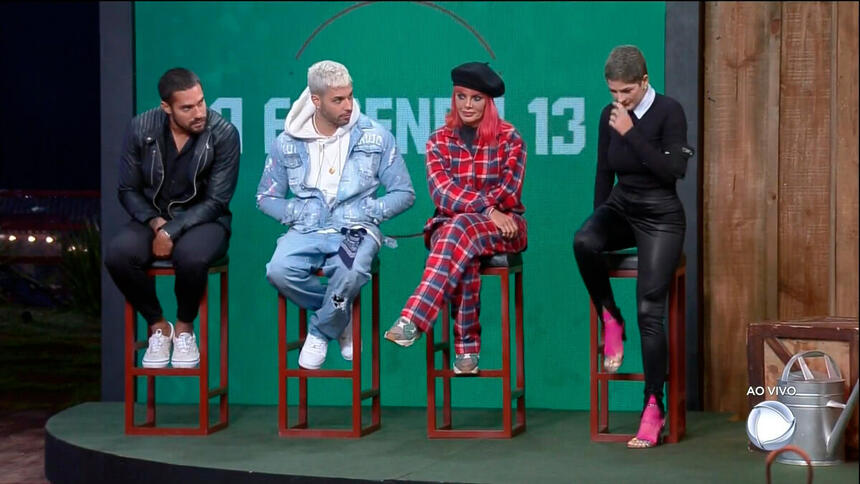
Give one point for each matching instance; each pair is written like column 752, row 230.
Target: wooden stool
column 300, row 429
column 502, row 265
column 625, row 264
column 165, row 268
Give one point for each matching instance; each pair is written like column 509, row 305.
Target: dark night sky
column 49, row 113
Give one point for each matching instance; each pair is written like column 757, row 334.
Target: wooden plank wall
column 780, row 194
column 845, row 161
column 741, row 103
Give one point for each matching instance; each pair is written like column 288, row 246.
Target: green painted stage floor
column 555, row 448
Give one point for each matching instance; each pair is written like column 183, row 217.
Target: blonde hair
column 325, row 74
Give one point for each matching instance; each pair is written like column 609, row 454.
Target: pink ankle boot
column 613, row 342
column 650, row 427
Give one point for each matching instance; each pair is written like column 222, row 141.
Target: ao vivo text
column 759, row 390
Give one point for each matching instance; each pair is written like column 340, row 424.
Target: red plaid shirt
column 461, row 183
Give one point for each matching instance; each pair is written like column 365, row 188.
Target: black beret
column 478, row 76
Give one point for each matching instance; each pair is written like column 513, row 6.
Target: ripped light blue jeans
column 292, row 271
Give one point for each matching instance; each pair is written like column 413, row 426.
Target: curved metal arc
column 432, row 5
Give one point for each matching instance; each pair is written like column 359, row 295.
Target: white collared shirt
column 645, row 103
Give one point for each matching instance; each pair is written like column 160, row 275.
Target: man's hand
column 156, row 223
column 619, row 119
column 162, row 245
column 505, row 223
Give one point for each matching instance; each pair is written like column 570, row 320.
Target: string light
column 31, row 239
column 12, row 238
column 49, row 239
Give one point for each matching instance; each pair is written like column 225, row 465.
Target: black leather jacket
column 216, row 169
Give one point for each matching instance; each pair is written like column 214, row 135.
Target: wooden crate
column 770, row 344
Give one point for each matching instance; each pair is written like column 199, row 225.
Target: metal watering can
column 815, row 400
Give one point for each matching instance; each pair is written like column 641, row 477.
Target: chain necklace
column 324, row 163
column 320, row 143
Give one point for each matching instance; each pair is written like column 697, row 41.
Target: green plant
column 81, row 267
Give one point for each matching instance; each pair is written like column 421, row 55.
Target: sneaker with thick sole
column 158, row 351
column 313, row 352
column 466, row 364
column 403, row 332
column 185, row 351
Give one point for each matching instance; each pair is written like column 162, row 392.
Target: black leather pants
column 654, row 222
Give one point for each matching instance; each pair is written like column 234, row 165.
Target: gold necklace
column 325, row 163
column 331, row 168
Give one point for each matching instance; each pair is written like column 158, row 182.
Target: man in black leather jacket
column 177, row 174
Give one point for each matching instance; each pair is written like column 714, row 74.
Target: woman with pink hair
column 475, row 169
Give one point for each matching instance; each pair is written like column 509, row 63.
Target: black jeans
column 654, row 222
column 129, row 255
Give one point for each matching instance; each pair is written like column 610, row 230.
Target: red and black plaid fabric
column 462, row 187
column 462, row 183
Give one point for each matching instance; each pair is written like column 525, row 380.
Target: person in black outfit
column 177, row 174
column 642, row 139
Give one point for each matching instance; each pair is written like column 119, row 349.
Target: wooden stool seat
column 625, row 263
column 132, row 371
column 301, row 429
column 501, row 265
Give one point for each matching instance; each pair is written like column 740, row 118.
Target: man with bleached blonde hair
column 332, row 159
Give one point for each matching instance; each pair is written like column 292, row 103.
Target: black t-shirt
column 468, row 135
column 178, row 172
column 647, row 157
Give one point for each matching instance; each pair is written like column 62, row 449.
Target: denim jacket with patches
column 373, row 159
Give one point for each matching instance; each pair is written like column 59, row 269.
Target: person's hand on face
column 619, row 119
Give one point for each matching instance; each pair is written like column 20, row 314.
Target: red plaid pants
column 452, row 273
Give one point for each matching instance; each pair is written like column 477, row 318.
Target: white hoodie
column 327, row 154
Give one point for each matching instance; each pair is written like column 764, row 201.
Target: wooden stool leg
column 673, row 360
column 283, row 409
column 356, row 366
column 521, row 360
column 150, row 393
column 303, row 380
column 603, row 406
column 150, row 401
column 676, row 357
column 506, row 354
column 431, row 380
column 130, row 387
column 446, row 365
column 376, row 412
column 204, row 359
column 225, row 320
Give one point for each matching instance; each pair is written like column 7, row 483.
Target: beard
column 335, row 119
column 192, row 126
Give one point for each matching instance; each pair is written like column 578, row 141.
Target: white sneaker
column 185, row 352
column 158, row 351
column 313, row 352
column 345, row 341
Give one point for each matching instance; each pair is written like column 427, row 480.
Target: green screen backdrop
column 253, row 58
